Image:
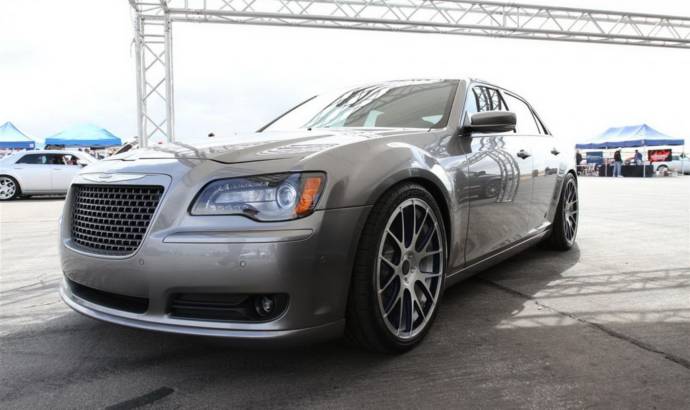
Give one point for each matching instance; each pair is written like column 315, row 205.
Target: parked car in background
column 678, row 163
column 39, row 172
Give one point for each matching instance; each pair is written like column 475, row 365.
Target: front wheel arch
column 428, row 181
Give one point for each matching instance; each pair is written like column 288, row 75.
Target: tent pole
column 606, row 165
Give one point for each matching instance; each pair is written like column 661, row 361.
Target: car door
column 545, row 161
column 33, row 173
column 499, row 181
column 63, row 170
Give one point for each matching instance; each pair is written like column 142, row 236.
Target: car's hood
column 263, row 146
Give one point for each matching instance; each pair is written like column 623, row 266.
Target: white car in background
column 40, row 172
column 678, row 163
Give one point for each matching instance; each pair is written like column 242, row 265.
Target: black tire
column 662, row 168
column 365, row 324
column 561, row 238
column 17, row 190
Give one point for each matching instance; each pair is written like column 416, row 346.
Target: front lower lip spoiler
column 288, row 337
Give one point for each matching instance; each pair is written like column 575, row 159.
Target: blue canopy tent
column 631, row 136
column 86, row 135
column 11, row 137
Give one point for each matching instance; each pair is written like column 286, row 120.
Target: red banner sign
column 658, row 155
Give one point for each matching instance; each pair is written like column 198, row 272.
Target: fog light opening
column 265, row 305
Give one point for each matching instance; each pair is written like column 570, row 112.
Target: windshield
column 10, row 156
column 409, row 104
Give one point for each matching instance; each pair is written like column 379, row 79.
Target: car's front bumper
column 312, row 334
column 310, row 260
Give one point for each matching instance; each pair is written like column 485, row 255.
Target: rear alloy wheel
column 9, row 189
column 564, row 228
column 398, row 281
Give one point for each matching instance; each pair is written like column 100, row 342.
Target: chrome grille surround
column 112, row 219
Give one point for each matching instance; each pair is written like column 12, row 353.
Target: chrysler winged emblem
column 103, row 177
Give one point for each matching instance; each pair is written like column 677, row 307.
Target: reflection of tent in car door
column 11, row 137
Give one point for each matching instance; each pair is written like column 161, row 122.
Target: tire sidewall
column 561, row 209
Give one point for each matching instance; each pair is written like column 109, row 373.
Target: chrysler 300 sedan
column 349, row 214
column 39, row 172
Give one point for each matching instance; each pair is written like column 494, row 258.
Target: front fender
column 441, row 182
column 377, row 169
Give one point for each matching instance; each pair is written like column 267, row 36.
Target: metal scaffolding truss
column 154, row 20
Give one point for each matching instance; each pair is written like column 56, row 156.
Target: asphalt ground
column 605, row 325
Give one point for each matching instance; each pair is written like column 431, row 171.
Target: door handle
column 554, row 151
column 524, row 154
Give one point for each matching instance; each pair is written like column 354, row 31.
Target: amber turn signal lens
column 310, row 194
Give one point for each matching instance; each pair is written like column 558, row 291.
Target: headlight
column 275, row 197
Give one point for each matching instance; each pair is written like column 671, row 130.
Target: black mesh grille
column 112, row 219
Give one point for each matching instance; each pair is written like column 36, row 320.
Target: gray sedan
column 349, row 214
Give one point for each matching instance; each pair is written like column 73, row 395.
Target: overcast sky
column 72, row 61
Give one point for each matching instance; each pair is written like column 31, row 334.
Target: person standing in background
column 617, row 163
column 638, row 158
column 578, row 161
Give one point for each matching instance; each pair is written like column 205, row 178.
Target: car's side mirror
column 489, row 122
column 82, row 163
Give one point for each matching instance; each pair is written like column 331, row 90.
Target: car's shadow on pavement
column 74, row 349
column 475, row 356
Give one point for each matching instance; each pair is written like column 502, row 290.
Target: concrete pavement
column 606, row 325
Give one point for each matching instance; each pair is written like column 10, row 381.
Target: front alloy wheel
column 8, row 188
column 408, row 274
column 398, row 279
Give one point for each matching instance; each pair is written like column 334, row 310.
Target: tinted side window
column 32, row 159
column 70, row 159
column 483, row 98
column 526, row 124
column 56, row 159
column 542, row 130
column 488, row 99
